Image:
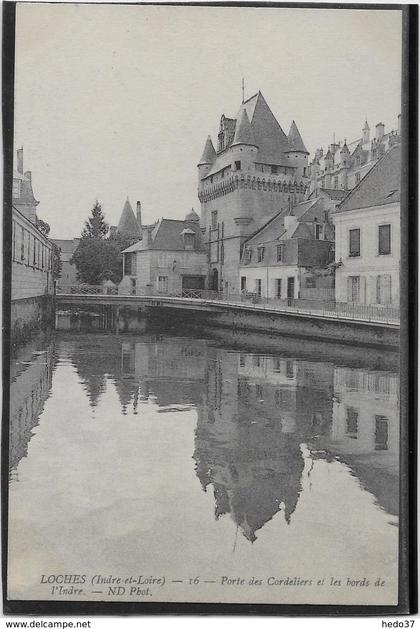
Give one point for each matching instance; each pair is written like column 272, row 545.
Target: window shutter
column 363, row 290
column 349, row 295
column 387, row 289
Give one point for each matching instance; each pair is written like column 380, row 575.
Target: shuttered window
column 384, row 240
column 383, row 289
column 354, row 242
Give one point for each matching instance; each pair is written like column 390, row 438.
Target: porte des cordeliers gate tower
column 256, row 171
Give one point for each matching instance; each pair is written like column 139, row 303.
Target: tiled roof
column 209, row 154
column 243, row 131
column 167, row 236
column 295, row 139
column 66, row 246
column 334, row 194
column 128, row 223
column 268, row 134
column 380, row 186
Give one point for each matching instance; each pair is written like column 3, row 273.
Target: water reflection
column 30, row 385
column 256, row 413
column 258, row 417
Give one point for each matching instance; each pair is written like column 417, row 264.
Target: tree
column 42, row 226
column 57, row 263
column 96, row 227
column 97, row 260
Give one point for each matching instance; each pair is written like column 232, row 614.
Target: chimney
column 380, row 128
column 138, row 212
column 19, row 154
column 290, row 222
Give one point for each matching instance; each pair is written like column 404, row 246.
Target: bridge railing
column 86, row 289
column 376, row 313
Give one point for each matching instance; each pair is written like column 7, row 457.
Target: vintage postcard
column 205, row 207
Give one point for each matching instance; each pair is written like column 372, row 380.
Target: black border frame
column 408, row 586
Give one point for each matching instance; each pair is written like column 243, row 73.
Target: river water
column 231, row 474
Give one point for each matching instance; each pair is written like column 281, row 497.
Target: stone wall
column 29, row 316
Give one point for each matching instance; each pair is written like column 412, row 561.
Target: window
column 128, row 264
column 384, row 240
column 274, row 170
column 34, row 252
column 352, row 422
column 354, row 243
column 258, row 287
column 242, row 360
column 260, row 254
column 357, row 178
column 280, row 253
column 243, row 283
column 318, row 231
column 353, row 289
column 162, row 284
column 214, row 220
column 335, row 183
column 381, row 432
column 238, row 165
column 383, row 289
column 248, row 254
column 278, row 288
column 259, row 392
column 310, row 282
column 276, row 366
column 290, row 369
column 22, row 244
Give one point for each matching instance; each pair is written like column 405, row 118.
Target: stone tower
column 256, row 172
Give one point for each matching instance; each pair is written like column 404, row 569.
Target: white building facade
column 367, row 235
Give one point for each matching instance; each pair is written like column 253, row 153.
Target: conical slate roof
column 268, row 134
column 209, row 154
column 366, row 127
column 243, row 131
column 295, row 139
column 128, row 223
column 192, row 216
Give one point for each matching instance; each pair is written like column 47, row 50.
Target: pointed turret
column 192, row 217
column 295, row 139
column 345, row 148
column 366, row 132
column 243, row 131
column 128, row 224
column 209, row 154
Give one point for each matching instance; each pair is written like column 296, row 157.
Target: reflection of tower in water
column 250, row 430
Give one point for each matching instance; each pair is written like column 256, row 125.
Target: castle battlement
column 227, row 186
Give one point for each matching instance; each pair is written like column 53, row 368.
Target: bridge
column 211, row 301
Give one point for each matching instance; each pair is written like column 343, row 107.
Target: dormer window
column 261, row 254
column 188, row 237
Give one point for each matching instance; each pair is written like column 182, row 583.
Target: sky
column 117, row 100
